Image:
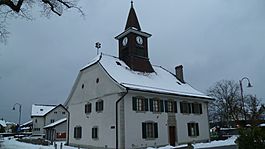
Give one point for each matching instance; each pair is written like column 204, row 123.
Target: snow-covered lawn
column 229, row 141
column 13, row 144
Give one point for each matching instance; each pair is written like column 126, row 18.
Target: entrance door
column 172, row 135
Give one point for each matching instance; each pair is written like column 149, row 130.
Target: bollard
column 61, row 146
column 55, row 145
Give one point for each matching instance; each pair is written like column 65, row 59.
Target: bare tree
column 252, row 107
column 21, row 8
column 227, row 106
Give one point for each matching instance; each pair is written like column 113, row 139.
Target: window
column 185, row 107
column 196, row 108
column 63, row 113
column 95, row 133
column 78, row 132
column 193, row 129
column 156, row 105
column 99, row 106
column 55, row 112
column 52, row 120
column 88, row 108
column 36, row 129
column 149, row 130
column 171, row 106
column 36, row 120
column 140, row 104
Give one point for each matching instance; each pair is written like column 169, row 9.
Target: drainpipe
column 117, row 132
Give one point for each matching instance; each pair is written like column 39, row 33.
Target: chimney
column 179, row 73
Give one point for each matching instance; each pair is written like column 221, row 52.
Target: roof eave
column 133, row 30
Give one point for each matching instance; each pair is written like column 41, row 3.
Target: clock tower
column 133, row 45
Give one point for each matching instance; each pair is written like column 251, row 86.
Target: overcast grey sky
column 212, row 39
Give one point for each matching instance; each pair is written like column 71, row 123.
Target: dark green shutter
column 101, row 105
column 156, row 130
column 189, row 129
column 151, row 105
column 190, row 106
column 146, row 104
column 166, row 106
column 134, row 103
column 161, row 105
column 144, row 130
column 181, row 107
column 197, row 129
column 200, row 108
column 175, row 107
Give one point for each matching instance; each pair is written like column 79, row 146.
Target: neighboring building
column 125, row 102
column 56, row 131
column 44, row 116
column 3, row 126
column 26, row 127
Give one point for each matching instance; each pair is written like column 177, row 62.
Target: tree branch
column 11, row 4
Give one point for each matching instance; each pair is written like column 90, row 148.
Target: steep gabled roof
column 41, row 110
column 160, row 81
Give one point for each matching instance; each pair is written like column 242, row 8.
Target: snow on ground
column 13, row 144
column 229, row 141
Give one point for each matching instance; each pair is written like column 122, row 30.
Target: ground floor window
column 193, row 129
column 78, row 132
column 149, row 130
column 36, row 129
column 95, row 133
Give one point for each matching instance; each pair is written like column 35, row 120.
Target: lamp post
column 242, row 96
column 19, row 111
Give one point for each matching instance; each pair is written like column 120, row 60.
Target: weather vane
column 98, row 46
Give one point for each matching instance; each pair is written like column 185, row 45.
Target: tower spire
column 132, row 20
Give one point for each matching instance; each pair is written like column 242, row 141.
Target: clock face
column 139, row 40
column 124, row 41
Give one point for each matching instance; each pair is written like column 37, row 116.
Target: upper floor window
column 140, row 104
column 171, row 106
column 156, row 105
column 185, row 107
column 88, row 108
column 78, row 132
column 55, row 112
column 52, row 120
column 95, row 133
column 149, row 130
column 36, row 120
column 63, row 113
column 196, row 108
column 193, row 129
column 99, row 105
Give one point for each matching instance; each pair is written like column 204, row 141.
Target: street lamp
column 242, row 98
column 19, row 111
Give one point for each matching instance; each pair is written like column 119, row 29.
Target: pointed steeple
column 132, row 20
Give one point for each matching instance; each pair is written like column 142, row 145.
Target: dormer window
column 41, row 109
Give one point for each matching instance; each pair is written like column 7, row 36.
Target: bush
column 251, row 138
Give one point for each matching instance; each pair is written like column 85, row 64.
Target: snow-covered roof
column 161, row 81
column 3, row 123
column 55, row 123
column 41, row 110
column 26, row 123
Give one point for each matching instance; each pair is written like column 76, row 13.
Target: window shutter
column 96, row 106
column 197, row 129
column 175, row 107
column 151, row 105
column 75, row 132
column 101, row 105
column 161, row 105
column 146, row 104
column 189, row 129
column 156, row 130
column 134, row 103
column 166, row 106
column 181, row 107
column 144, row 130
column 190, row 107
column 200, row 108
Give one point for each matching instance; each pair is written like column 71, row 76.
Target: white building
column 45, row 116
column 125, row 102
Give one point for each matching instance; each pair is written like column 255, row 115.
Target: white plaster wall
column 106, row 91
column 55, row 116
column 39, row 124
column 133, row 123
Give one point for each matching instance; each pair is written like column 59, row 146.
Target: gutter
column 117, row 132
